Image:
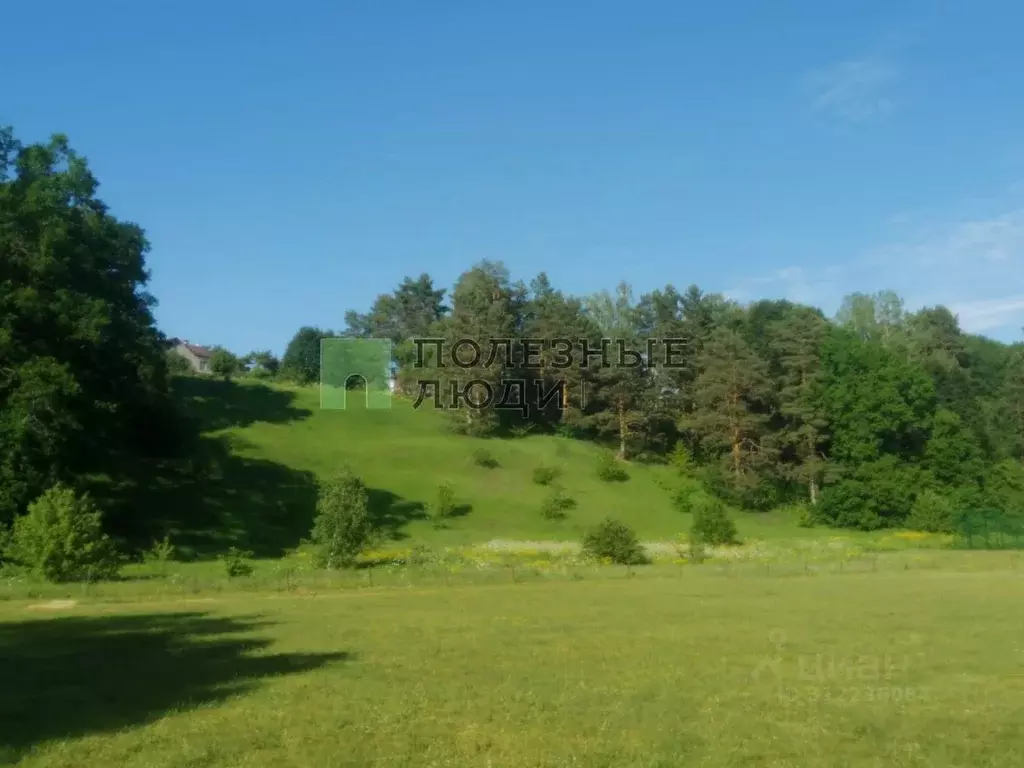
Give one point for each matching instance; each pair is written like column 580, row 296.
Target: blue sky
column 291, row 161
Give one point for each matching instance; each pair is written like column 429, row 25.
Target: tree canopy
column 855, row 416
column 83, row 369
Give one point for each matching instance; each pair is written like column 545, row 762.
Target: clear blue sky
column 292, row 160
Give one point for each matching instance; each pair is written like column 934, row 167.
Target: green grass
column 264, row 447
column 449, row 648
column 659, row 669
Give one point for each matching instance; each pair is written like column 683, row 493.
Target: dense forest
column 878, row 417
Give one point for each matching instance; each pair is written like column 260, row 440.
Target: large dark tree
column 83, row 372
column 301, row 360
column 875, row 402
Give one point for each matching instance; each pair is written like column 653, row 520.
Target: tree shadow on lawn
column 218, row 499
column 390, row 513
column 72, row 676
column 216, row 404
column 212, row 496
column 210, row 501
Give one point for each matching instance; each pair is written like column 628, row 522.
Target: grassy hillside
column 263, row 448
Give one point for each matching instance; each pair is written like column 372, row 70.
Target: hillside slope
column 264, row 446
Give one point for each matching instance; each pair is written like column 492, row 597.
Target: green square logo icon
column 355, row 368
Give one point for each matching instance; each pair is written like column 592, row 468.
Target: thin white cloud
column 988, row 314
column 853, row 90
column 975, row 267
column 813, row 286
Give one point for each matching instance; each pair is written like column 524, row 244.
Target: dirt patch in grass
column 53, row 605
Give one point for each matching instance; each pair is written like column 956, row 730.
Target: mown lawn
column 883, row 668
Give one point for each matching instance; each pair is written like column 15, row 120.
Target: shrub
column 805, row 517
column 484, row 458
column 5, row 543
column 684, row 493
column 933, row 513
column 556, row 503
column 521, row 430
column 261, row 373
column 680, row 459
column 236, row 562
column 543, row 475
column 161, row 553
column 444, row 503
column 609, row 470
column 850, row 504
column 566, row 431
column 879, row 494
column 177, row 365
column 615, row 541
column 223, row 363
column 343, row 527
column 711, row 522
column 60, row 539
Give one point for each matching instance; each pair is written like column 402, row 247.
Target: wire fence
column 990, row 528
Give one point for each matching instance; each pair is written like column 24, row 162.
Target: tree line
column 878, row 417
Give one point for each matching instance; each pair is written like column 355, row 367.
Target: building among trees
column 198, row 357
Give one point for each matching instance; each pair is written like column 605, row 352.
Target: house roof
column 195, row 349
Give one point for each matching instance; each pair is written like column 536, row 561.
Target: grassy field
column 491, row 641
column 685, row 666
column 264, row 447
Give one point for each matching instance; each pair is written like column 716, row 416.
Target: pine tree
column 550, row 316
column 403, row 316
column 486, row 309
column 618, row 386
column 730, row 400
column 796, row 342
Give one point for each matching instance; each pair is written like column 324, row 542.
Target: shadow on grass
column 74, row 676
column 213, row 500
column 460, row 510
column 217, row 404
column 213, row 496
column 390, row 513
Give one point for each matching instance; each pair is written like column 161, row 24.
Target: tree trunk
column 623, row 429
column 735, row 436
column 811, row 466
